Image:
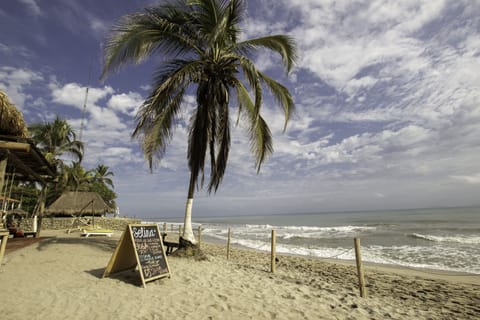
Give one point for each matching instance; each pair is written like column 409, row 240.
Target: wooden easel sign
column 140, row 245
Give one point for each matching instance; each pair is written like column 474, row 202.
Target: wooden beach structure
column 20, row 160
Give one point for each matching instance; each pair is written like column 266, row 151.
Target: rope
column 337, row 255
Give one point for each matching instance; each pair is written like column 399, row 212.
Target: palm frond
column 251, row 73
column 261, row 143
column 282, row 44
column 200, row 132
column 222, row 139
column 156, row 117
column 137, row 36
column 282, row 95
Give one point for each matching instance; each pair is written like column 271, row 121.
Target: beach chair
column 96, row 232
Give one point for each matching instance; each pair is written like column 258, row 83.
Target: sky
column 387, row 97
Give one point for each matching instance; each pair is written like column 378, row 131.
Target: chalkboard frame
column 126, row 257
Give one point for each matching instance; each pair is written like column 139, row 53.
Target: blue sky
column 387, row 96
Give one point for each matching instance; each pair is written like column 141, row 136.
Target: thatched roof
column 11, row 120
column 79, row 203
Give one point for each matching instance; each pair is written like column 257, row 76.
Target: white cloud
column 472, row 179
column 10, row 50
column 73, row 94
column 33, row 7
column 15, row 81
column 127, row 103
column 99, row 26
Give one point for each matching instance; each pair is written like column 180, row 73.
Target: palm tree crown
column 199, row 42
column 102, row 173
column 55, row 139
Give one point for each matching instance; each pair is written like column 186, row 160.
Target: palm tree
column 101, row 174
column 55, row 139
column 76, row 178
column 199, row 42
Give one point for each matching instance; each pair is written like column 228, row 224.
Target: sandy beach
column 60, row 277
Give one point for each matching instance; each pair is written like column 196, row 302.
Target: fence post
column 199, row 235
column 358, row 258
column 273, row 251
column 228, row 243
column 165, row 227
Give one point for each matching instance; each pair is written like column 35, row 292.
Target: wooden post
column 43, row 199
column 228, row 243
column 199, row 235
column 358, row 258
column 165, row 227
column 3, row 167
column 179, row 229
column 4, row 238
column 273, row 252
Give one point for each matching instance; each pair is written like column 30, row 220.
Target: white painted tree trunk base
column 187, row 224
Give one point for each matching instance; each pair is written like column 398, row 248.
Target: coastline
column 453, row 276
column 60, row 277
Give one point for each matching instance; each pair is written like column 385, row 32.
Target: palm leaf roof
column 79, row 203
column 11, row 119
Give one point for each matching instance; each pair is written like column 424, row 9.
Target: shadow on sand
column 105, row 244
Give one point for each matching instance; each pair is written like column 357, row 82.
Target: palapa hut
column 78, row 204
column 18, row 154
column 19, row 157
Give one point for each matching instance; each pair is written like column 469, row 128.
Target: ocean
column 432, row 239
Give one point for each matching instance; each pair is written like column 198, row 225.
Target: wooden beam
column 18, row 163
column 46, row 165
column 15, row 146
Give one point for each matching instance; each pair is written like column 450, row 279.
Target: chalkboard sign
column 150, row 251
column 141, row 245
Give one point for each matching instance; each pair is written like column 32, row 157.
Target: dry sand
column 61, row 278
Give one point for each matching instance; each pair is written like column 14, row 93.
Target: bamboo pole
column 25, row 147
column 43, row 198
column 358, row 258
column 273, row 251
column 228, row 243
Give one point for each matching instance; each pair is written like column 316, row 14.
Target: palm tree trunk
column 188, row 235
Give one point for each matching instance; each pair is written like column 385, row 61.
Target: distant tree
column 56, row 139
column 198, row 41
column 101, row 174
column 107, row 194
